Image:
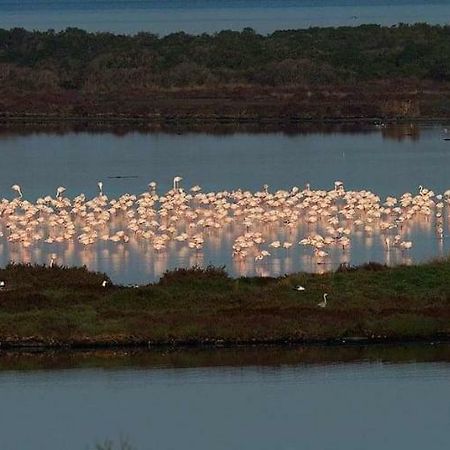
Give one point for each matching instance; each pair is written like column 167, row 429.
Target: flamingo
column 338, row 185
column 59, row 191
column 176, row 182
column 16, row 187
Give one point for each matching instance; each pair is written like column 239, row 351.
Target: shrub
column 194, row 274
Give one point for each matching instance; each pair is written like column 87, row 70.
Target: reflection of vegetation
column 394, row 131
column 401, row 132
column 75, row 59
column 237, row 356
column 58, row 306
column 28, row 127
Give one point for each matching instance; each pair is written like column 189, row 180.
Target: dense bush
column 194, row 274
column 75, row 59
column 31, row 276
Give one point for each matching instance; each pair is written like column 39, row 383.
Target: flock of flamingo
column 326, row 219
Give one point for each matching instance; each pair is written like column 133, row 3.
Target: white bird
column 59, row 191
column 52, row 259
column 16, row 187
column 323, row 304
column 100, row 187
column 338, row 185
column 104, row 283
column 406, row 245
column 299, row 288
column 176, row 183
column 2, row 285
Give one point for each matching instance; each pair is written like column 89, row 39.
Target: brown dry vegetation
column 382, row 99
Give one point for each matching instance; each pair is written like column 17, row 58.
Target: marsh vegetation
column 68, row 306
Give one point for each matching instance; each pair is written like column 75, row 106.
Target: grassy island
column 69, row 307
column 293, row 75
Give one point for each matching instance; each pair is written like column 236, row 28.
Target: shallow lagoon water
column 388, row 161
column 252, row 399
column 200, row 16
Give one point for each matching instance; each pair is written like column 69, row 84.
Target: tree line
column 74, row 59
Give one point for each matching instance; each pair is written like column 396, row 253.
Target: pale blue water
column 199, row 16
column 388, row 161
column 367, row 405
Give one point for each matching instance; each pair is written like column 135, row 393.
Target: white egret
column 52, row 259
column 323, row 304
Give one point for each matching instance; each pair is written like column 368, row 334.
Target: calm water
column 371, row 402
column 199, row 16
column 388, row 161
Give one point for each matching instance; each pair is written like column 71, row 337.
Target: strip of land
column 68, row 307
column 345, row 73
